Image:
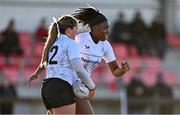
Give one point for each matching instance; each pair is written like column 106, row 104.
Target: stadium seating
column 26, row 43
column 174, row 41
column 2, row 59
column 170, row 77
column 120, row 51
column 12, row 73
column 38, row 48
column 25, row 65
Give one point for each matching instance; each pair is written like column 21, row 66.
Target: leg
column 67, row 109
column 83, row 107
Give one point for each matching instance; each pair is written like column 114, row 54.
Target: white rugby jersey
column 92, row 53
column 62, row 51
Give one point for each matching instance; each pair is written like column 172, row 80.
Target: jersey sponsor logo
column 89, row 61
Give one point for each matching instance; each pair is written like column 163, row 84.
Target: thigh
column 83, row 106
column 44, row 99
column 67, row 109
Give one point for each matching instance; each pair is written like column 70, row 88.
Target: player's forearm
column 118, row 72
column 82, row 73
column 39, row 70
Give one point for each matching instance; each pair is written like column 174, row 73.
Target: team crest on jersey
column 87, row 47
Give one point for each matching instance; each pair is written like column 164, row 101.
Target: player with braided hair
column 94, row 47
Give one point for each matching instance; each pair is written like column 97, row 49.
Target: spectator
column 10, row 40
column 120, row 32
column 158, row 35
column 139, row 34
column 137, row 90
column 161, row 91
column 41, row 31
column 7, row 93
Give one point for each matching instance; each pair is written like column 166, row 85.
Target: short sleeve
column 108, row 53
column 73, row 50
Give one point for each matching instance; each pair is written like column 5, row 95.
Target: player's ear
column 95, row 27
column 68, row 31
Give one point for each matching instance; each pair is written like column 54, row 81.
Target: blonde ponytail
column 52, row 35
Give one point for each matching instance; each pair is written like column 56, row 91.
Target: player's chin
column 103, row 38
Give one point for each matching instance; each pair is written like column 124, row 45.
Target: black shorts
column 56, row 92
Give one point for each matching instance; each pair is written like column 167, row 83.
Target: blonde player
column 61, row 59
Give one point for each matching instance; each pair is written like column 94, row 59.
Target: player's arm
column 82, row 73
column 110, row 59
column 43, row 62
column 39, row 70
column 117, row 70
column 74, row 56
column 36, row 74
column 84, row 76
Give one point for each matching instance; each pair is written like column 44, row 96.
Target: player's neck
column 94, row 38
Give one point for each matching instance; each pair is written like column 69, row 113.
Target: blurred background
column 146, row 33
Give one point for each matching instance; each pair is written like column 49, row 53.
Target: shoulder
column 67, row 41
column 71, row 42
column 82, row 35
column 106, row 43
column 106, row 46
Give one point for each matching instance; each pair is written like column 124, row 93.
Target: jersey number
column 53, row 49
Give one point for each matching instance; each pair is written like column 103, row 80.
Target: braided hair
column 89, row 16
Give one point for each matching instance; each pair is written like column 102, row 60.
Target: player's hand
column 91, row 93
column 34, row 76
column 125, row 66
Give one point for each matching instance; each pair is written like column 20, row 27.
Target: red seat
column 25, row 38
column 148, row 78
column 107, row 76
column 174, row 41
column 11, row 60
column 27, row 51
column 38, row 49
column 97, row 75
column 135, row 62
column 16, row 60
column 12, row 73
column 2, row 61
column 134, row 52
column 169, row 77
column 113, row 86
column 120, row 51
column 26, row 43
column 32, row 61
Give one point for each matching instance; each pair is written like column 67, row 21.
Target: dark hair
column 64, row 22
column 89, row 16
